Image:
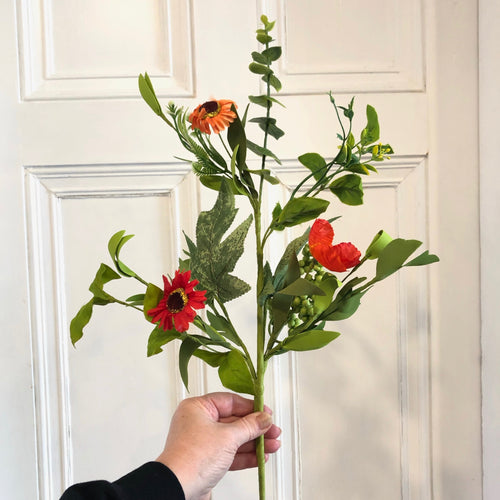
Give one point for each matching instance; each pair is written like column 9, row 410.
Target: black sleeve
column 151, row 481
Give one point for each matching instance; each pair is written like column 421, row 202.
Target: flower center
column 212, row 108
column 177, row 300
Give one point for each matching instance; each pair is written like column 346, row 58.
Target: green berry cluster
column 303, row 306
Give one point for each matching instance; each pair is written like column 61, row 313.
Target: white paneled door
column 390, row 410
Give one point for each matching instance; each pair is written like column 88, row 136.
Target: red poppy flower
column 336, row 258
column 215, row 114
column 176, row 308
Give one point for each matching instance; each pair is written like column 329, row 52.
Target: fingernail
column 264, row 420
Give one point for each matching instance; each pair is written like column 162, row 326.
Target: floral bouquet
column 314, row 284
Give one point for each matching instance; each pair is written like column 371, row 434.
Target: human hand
column 212, row 434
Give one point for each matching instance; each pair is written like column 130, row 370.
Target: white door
column 392, row 408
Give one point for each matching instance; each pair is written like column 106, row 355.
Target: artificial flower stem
column 261, row 364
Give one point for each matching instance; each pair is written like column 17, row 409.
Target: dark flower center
column 177, row 300
column 212, row 108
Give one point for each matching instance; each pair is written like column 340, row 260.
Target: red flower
column 215, row 114
column 336, row 258
column 176, row 308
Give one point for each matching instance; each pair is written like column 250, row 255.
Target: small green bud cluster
column 302, row 309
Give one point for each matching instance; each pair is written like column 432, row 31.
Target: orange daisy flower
column 215, row 114
column 176, row 308
column 337, row 258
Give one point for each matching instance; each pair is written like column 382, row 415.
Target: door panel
column 379, row 413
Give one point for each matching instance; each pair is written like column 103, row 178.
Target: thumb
column 250, row 427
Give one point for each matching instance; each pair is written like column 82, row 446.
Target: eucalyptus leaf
column 235, row 374
column 272, row 53
column 259, row 69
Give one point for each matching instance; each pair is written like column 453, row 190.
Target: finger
column 228, row 404
column 245, row 461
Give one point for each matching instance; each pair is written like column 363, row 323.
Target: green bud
column 381, row 240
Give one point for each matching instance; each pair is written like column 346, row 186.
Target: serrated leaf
column 158, row 338
column 348, row 189
column 235, row 374
column 310, row 340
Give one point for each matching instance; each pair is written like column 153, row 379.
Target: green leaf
column 371, row 132
column 148, row 93
column 260, row 151
column 214, row 182
column 236, row 137
column 288, row 269
column 272, row 53
column 235, row 374
column 258, row 69
column 348, row 189
column 393, row 256
column 301, row 286
column 263, row 38
column 151, row 299
column 104, row 275
column 329, row 286
column 273, row 81
column 269, row 124
column 302, row 209
column 263, row 100
column 423, row 259
column 188, row 347
column 310, row 340
column 136, row 299
column 214, row 359
column 259, row 58
column 80, row 321
column 346, row 307
column 315, row 163
column 223, row 326
column 159, row 338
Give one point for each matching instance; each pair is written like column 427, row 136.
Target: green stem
column 261, row 363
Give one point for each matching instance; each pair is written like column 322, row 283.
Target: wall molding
column 407, row 176
column 46, row 188
column 41, row 80
column 403, row 74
